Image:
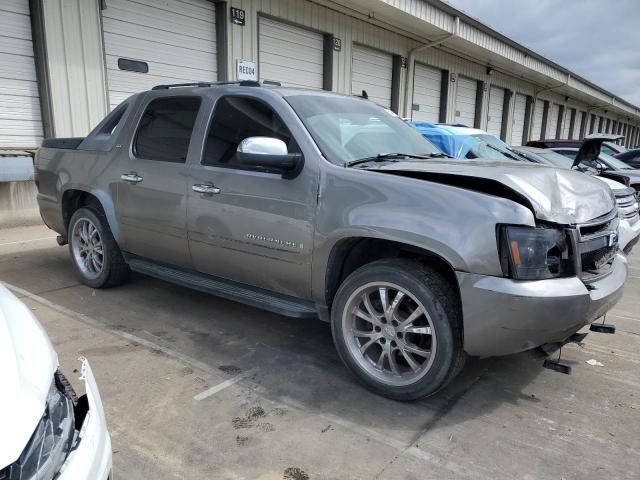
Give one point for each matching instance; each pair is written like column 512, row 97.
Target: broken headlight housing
column 534, row 253
column 51, row 442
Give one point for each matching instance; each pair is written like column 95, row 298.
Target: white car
column 46, row 431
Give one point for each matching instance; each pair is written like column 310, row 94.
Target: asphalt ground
column 197, row 387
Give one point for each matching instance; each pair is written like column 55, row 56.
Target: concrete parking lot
column 197, row 387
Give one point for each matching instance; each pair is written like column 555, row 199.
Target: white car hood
column 27, row 365
column 613, row 185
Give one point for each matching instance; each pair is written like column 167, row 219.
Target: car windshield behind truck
column 347, row 129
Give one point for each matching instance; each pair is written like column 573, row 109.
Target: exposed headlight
column 529, row 253
column 50, row 443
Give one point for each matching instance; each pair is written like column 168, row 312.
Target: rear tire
column 397, row 327
column 95, row 255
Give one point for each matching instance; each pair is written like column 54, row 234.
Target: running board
column 255, row 297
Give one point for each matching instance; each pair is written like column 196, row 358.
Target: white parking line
column 127, row 336
column 31, row 240
column 222, row 386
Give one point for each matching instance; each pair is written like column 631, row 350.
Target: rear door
column 257, row 228
column 151, row 200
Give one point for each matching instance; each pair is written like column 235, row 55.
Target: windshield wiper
column 385, row 157
column 512, row 156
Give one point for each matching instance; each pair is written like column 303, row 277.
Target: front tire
column 396, row 325
column 96, row 258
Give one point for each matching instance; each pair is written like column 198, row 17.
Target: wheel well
column 72, row 200
column 352, row 253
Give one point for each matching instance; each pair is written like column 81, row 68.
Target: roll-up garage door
column 552, row 121
column 494, row 115
column 566, row 122
column 519, row 110
column 577, row 124
column 537, row 120
column 466, row 92
column 174, row 41
column 290, row 55
column 371, row 71
column 20, row 118
column 427, row 88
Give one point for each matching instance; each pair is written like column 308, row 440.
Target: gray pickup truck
column 313, row 204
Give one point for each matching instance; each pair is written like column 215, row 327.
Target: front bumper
column 91, row 458
column 504, row 316
column 629, row 233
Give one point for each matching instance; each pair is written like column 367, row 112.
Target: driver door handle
column 205, row 188
column 131, row 177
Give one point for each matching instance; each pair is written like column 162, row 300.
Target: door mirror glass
column 269, row 154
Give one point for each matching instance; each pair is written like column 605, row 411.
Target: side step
column 255, row 297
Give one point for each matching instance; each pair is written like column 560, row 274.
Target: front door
column 250, row 226
column 152, row 201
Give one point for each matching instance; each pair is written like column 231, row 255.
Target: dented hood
column 27, row 365
column 555, row 195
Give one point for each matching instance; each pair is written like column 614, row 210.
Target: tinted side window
column 237, row 118
column 165, row 129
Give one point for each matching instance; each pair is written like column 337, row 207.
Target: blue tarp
column 455, row 145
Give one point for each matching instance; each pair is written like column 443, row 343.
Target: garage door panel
column 280, row 48
column 152, row 13
column 17, row 67
column 20, row 108
column 157, row 36
column 15, row 6
column 372, row 71
column 519, row 114
column 176, row 38
column 13, row 25
column 291, row 55
column 150, row 52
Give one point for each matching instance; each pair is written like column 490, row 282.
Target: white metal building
column 66, row 63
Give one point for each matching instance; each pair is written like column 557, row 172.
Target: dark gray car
column 312, row 204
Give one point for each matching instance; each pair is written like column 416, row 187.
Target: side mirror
column 269, row 154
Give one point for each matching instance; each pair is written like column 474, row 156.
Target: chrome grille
column 597, row 245
column 627, row 203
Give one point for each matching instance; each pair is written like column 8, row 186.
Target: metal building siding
column 495, row 110
column 465, row 106
column 427, row 88
column 176, row 38
column 519, row 111
column 537, row 120
column 20, row 118
column 75, row 63
column 372, row 71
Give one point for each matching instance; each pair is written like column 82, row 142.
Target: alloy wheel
column 389, row 333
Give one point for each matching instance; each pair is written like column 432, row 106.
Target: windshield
column 556, row 159
column 614, row 163
column 488, row 146
column 347, row 129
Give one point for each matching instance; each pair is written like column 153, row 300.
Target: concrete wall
column 18, row 206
